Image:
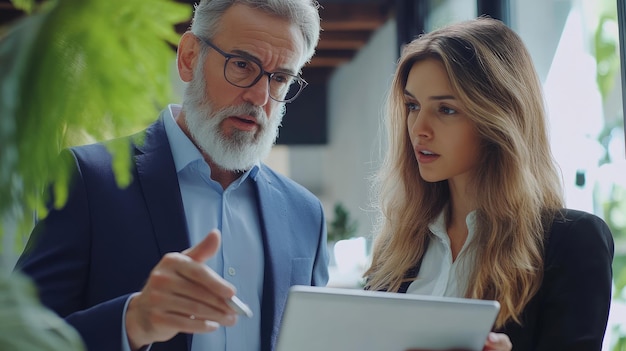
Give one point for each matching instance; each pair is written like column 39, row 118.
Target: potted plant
column 342, row 227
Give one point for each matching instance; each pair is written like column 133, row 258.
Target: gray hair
column 304, row 13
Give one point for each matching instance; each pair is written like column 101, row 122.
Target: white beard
column 243, row 149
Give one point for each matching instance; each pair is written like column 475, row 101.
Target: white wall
column 540, row 24
column 450, row 11
column 338, row 171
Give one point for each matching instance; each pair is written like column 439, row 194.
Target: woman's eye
column 411, row 106
column 447, row 110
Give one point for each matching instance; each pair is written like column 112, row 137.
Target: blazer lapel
column 158, row 179
column 277, row 259
column 159, row 182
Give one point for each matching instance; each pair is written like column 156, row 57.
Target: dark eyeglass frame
column 296, row 79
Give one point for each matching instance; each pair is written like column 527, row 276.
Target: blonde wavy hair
column 492, row 74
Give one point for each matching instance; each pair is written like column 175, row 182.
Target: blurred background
column 118, row 59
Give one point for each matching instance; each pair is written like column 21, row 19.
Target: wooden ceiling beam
column 352, row 40
column 359, row 25
column 331, row 58
column 329, row 61
column 327, row 44
column 363, row 16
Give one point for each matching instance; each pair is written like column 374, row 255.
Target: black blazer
column 571, row 308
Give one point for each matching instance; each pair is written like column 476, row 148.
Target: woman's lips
column 424, row 155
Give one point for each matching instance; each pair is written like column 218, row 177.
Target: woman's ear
column 187, row 55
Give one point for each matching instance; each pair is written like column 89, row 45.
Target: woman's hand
column 498, row 342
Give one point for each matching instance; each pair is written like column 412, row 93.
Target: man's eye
column 241, row 64
column 281, row 78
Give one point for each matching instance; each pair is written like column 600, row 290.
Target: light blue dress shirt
column 235, row 212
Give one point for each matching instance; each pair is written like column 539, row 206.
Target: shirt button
column 231, row 271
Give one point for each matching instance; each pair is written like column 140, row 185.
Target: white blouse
column 438, row 274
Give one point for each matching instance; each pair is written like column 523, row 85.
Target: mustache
column 256, row 112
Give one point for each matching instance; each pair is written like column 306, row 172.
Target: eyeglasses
column 245, row 72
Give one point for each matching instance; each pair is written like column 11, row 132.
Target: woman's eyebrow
column 436, row 97
column 442, row 97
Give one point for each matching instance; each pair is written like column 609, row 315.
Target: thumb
column 206, row 248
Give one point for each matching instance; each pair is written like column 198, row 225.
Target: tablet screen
column 335, row 319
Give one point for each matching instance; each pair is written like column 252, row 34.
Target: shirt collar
column 438, row 226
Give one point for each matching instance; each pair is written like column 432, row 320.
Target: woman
column 470, row 198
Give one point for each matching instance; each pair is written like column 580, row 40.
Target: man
column 134, row 267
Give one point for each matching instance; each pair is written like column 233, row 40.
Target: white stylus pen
column 240, row 307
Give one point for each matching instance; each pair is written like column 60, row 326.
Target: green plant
column 75, row 71
column 606, row 46
column 26, row 324
column 342, row 226
column 72, row 71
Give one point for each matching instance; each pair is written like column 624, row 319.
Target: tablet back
column 333, row 319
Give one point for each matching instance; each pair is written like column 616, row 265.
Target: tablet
column 337, row 319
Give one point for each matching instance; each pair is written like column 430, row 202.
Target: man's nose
column 258, row 94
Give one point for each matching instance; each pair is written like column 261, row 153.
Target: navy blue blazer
column 571, row 308
column 89, row 256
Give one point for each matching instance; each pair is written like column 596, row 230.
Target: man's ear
column 187, row 55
